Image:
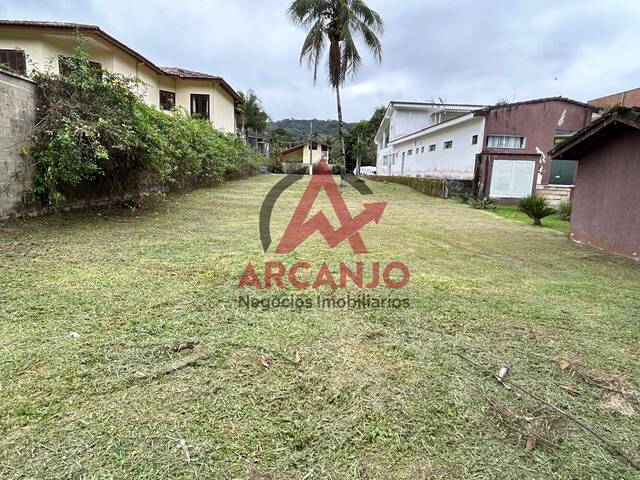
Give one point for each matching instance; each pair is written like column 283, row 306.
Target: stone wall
column 555, row 194
column 17, row 118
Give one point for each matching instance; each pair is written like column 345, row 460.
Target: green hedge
column 429, row 186
column 95, row 129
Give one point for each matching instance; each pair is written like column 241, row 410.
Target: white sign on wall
column 512, row 178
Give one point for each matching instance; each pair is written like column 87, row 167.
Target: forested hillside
column 301, row 128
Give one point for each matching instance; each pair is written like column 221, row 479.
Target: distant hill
column 300, row 128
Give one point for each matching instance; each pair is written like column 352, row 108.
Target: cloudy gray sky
column 476, row 51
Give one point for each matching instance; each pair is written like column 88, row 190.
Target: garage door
column 512, row 178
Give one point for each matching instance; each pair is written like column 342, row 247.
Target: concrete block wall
column 17, row 118
column 555, row 194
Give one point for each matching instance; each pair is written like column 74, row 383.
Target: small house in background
column 311, row 151
column 607, row 193
column 259, row 142
column 628, row 98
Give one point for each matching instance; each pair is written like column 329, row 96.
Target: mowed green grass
column 370, row 393
column 554, row 222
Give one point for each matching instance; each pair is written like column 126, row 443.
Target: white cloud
column 474, row 52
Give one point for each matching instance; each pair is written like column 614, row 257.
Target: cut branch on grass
column 613, row 448
column 533, row 429
column 617, row 391
column 174, row 366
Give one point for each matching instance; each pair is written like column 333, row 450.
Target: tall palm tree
column 333, row 25
column 252, row 115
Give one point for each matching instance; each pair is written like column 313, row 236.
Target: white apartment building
column 404, row 118
column 444, row 150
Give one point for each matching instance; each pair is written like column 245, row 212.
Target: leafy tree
column 252, row 115
column 280, row 135
column 299, row 129
column 333, row 25
column 360, row 144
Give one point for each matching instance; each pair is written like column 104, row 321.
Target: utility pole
column 310, row 148
column 358, row 156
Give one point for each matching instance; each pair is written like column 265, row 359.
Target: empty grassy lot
column 91, row 306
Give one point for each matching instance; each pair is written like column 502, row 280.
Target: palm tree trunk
column 343, row 168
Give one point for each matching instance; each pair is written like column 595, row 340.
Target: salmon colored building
column 606, row 198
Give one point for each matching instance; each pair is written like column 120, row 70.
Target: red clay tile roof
column 184, row 73
column 628, row 98
column 81, row 27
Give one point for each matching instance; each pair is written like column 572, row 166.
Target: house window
column 474, row 140
column 562, row 172
column 562, row 135
column 200, row 106
column 422, row 150
column 432, row 147
column 505, row 141
column 448, row 144
column 167, row 100
column 409, row 152
column 67, row 65
column 14, row 60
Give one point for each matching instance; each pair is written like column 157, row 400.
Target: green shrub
column 565, row 210
column 467, row 198
column 94, row 127
column 429, row 186
column 485, row 203
column 536, row 207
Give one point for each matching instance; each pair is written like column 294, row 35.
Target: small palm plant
column 536, row 207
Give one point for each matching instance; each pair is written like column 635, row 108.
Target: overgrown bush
column 94, row 127
column 536, row 207
column 274, row 164
column 565, row 210
column 466, row 198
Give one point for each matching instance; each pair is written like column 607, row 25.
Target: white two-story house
column 404, row 118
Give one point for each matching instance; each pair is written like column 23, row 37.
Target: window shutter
column 15, row 60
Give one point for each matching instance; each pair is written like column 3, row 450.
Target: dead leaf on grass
column 562, row 363
column 620, row 404
column 179, row 346
column 266, row 360
column 296, row 355
column 570, row 389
